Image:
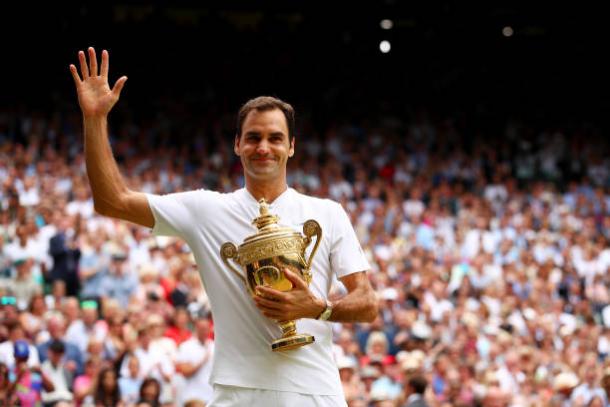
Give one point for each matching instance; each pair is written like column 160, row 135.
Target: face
column 203, row 329
column 109, row 380
column 264, row 146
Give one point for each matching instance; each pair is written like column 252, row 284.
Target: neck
column 269, row 191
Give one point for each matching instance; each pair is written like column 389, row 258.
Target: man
column 415, row 389
column 66, row 255
column 245, row 371
column 55, row 370
column 194, row 363
column 56, row 327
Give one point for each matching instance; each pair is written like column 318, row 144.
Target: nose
column 262, row 147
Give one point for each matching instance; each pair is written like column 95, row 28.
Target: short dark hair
column 418, row 383
column 57, row 346
column 263, row 104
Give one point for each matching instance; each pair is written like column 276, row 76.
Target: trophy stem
column 289, row 328
column 290, row 339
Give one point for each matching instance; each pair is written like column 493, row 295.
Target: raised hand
column 95, row 97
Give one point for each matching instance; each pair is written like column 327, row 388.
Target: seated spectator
column 55, row 370
column 107, row 391
column 150, row 392
column 56, row 329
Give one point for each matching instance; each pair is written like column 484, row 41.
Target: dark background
column 323, row 57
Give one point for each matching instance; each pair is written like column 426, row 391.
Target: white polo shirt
column 243, row 356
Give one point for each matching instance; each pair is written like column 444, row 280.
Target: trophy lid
column 269, row 233
column 265, row 221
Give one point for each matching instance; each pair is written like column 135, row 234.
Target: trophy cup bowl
column 263, row 257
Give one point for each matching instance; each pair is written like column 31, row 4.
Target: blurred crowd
column 489, row 254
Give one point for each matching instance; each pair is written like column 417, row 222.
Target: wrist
column 319, row 307
column 95, row 118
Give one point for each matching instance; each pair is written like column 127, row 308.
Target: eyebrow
column 258, row 133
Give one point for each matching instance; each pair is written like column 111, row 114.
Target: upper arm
column 133, row 207
column 357, row 281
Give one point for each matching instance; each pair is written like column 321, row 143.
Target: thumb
column 296, row 280
column 118, row 85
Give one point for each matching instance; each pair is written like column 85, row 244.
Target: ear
column 236, row 145
column 291, row 150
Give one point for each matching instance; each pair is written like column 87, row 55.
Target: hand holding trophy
column 264, row 255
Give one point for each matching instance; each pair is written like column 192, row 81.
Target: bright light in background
column 385, row 46
column 386, row 24
column 508, row 31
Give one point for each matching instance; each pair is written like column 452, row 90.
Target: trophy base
column 291, row 342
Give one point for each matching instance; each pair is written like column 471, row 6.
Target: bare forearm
column 359, row 305
column 106, row 181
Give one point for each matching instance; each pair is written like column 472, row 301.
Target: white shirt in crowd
column 196, row 387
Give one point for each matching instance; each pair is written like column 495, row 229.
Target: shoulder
column 316, row 202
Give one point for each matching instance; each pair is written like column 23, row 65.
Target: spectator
column 107, row 392
column 194, row 364
column 415, row 390
column 130, row 385
column 150, row 392
column 27, row 382
column 55, row 370
column 64, row 249
column 73, row 357
column 23, row 287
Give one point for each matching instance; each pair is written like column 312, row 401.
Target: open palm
column 94, row 94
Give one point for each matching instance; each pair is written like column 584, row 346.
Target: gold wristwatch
column 327, row 311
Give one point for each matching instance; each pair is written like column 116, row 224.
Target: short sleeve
column 174, row 213
column 346, row 254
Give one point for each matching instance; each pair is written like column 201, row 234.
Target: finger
column 84, row 69
column 267, row 304
column 270, row 293
column 92, row 62
column 118, row 86
column 295, row 279
column 278, row 316
column 104, row 68
column 75, row 76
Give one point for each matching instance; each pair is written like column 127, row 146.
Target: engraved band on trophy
column 264, row 255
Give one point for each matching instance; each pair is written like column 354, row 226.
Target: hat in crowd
column 389, row 293
column 420, row 330
column 119, row 255
column 21, row 349
column 411, row 360
column 565, row 380
column 380, row 394
column 368, row 372
column 345, row 362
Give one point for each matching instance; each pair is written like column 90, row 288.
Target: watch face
column 326, row 314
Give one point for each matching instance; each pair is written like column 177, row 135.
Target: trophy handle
column 311, row 228
column 229, row 251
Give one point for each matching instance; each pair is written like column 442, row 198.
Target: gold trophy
column 264, row 255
